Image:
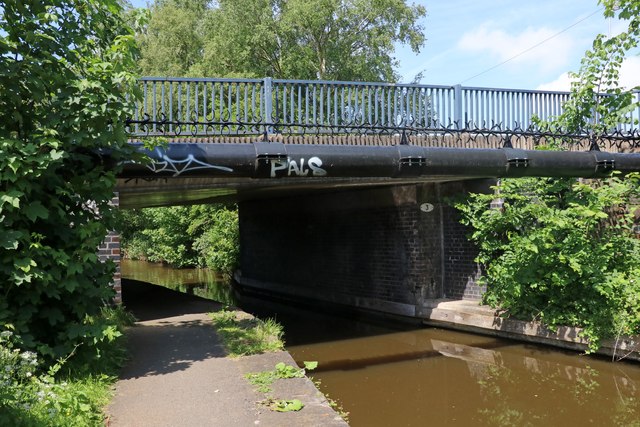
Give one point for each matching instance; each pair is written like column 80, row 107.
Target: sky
column 519, row 44
column 531, row 43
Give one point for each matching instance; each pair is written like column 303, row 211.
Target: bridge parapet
column 216, row 107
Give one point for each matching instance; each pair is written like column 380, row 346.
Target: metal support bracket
column 268, row 153
column 411, row 160
column 516, row 158
column 605, row 161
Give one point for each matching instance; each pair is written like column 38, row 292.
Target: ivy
column 65, row 72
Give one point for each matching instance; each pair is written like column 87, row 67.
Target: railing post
column 267, row 89
column 457, row 106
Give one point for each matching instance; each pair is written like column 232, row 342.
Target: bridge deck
column 452, row 140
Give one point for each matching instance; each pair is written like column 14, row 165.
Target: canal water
column 401, row 375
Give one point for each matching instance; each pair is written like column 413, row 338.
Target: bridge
column 232, row 137
column 342, row 187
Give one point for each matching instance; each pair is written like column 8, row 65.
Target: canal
column 400, row 375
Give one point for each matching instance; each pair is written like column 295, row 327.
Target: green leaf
column 12, row 198
column 310, row 366
column 24, row 264
column 36, row 210
column 10, row 239
column 56, row 155
column 284, row 405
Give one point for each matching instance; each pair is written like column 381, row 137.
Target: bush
column 63, row 106
column 70, row 392
column 218, row 247
column 560, row 251
column 194, row 236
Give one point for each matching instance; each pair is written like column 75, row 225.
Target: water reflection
column 437, row 377
column 406, row 376
column 201, row 282
column 428, row 376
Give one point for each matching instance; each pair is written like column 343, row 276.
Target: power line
column 534, row 46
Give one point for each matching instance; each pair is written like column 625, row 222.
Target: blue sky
column 467, row 38
column 538, row 41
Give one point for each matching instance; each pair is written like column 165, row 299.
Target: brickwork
column 400, row 246
column 110, row 250
column 360, row 243
column 461, row 271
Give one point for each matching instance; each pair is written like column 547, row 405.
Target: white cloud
column 561, row 84
column 502, row 46
column 630, row 72
column 629, row 77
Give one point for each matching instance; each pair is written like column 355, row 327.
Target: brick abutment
column 110, row 250
column 388, row 250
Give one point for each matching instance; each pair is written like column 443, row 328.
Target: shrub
column 218, row 246
column 63, row 106
column 69, row 392
column 199, row 235
column 560, row 251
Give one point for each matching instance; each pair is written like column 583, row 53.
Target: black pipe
column 276, row 160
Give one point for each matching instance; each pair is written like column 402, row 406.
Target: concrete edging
column 468, row 315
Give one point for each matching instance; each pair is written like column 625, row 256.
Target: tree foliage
column 563, row 251
column 183, row 236
column 64, row 72
column 172, row 42
column 597, row 102
column 300, row 39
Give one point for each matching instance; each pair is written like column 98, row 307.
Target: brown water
column 398, row 375
column 201, row 282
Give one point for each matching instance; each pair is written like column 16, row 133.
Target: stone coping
column 468, row 315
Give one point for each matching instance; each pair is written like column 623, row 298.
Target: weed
column 68, row 393
column 283, row 405
column 247, row 336
column 263, row 381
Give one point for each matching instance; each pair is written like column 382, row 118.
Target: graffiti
column 178, row 167
column 291, row 167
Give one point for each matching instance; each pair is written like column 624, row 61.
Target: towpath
column 179, row 373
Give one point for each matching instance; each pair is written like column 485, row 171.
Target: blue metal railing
column 218, row 106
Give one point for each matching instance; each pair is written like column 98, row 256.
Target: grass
column 249, row 335
column 71, row 393
column 244, row 336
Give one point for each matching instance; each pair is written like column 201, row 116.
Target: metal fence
column 208, row 106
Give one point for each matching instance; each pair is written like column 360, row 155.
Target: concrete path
column 179, row 375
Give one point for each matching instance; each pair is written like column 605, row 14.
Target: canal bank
column 179, row 373
column 384, row 373
column 469, row 316
column 465, row 315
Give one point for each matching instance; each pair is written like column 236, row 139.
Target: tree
column 563, row 251
column 298, row 39
column 348, row 40
column 183, row 236
column 65, row 74
column 172, row 42
column 588, row 109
